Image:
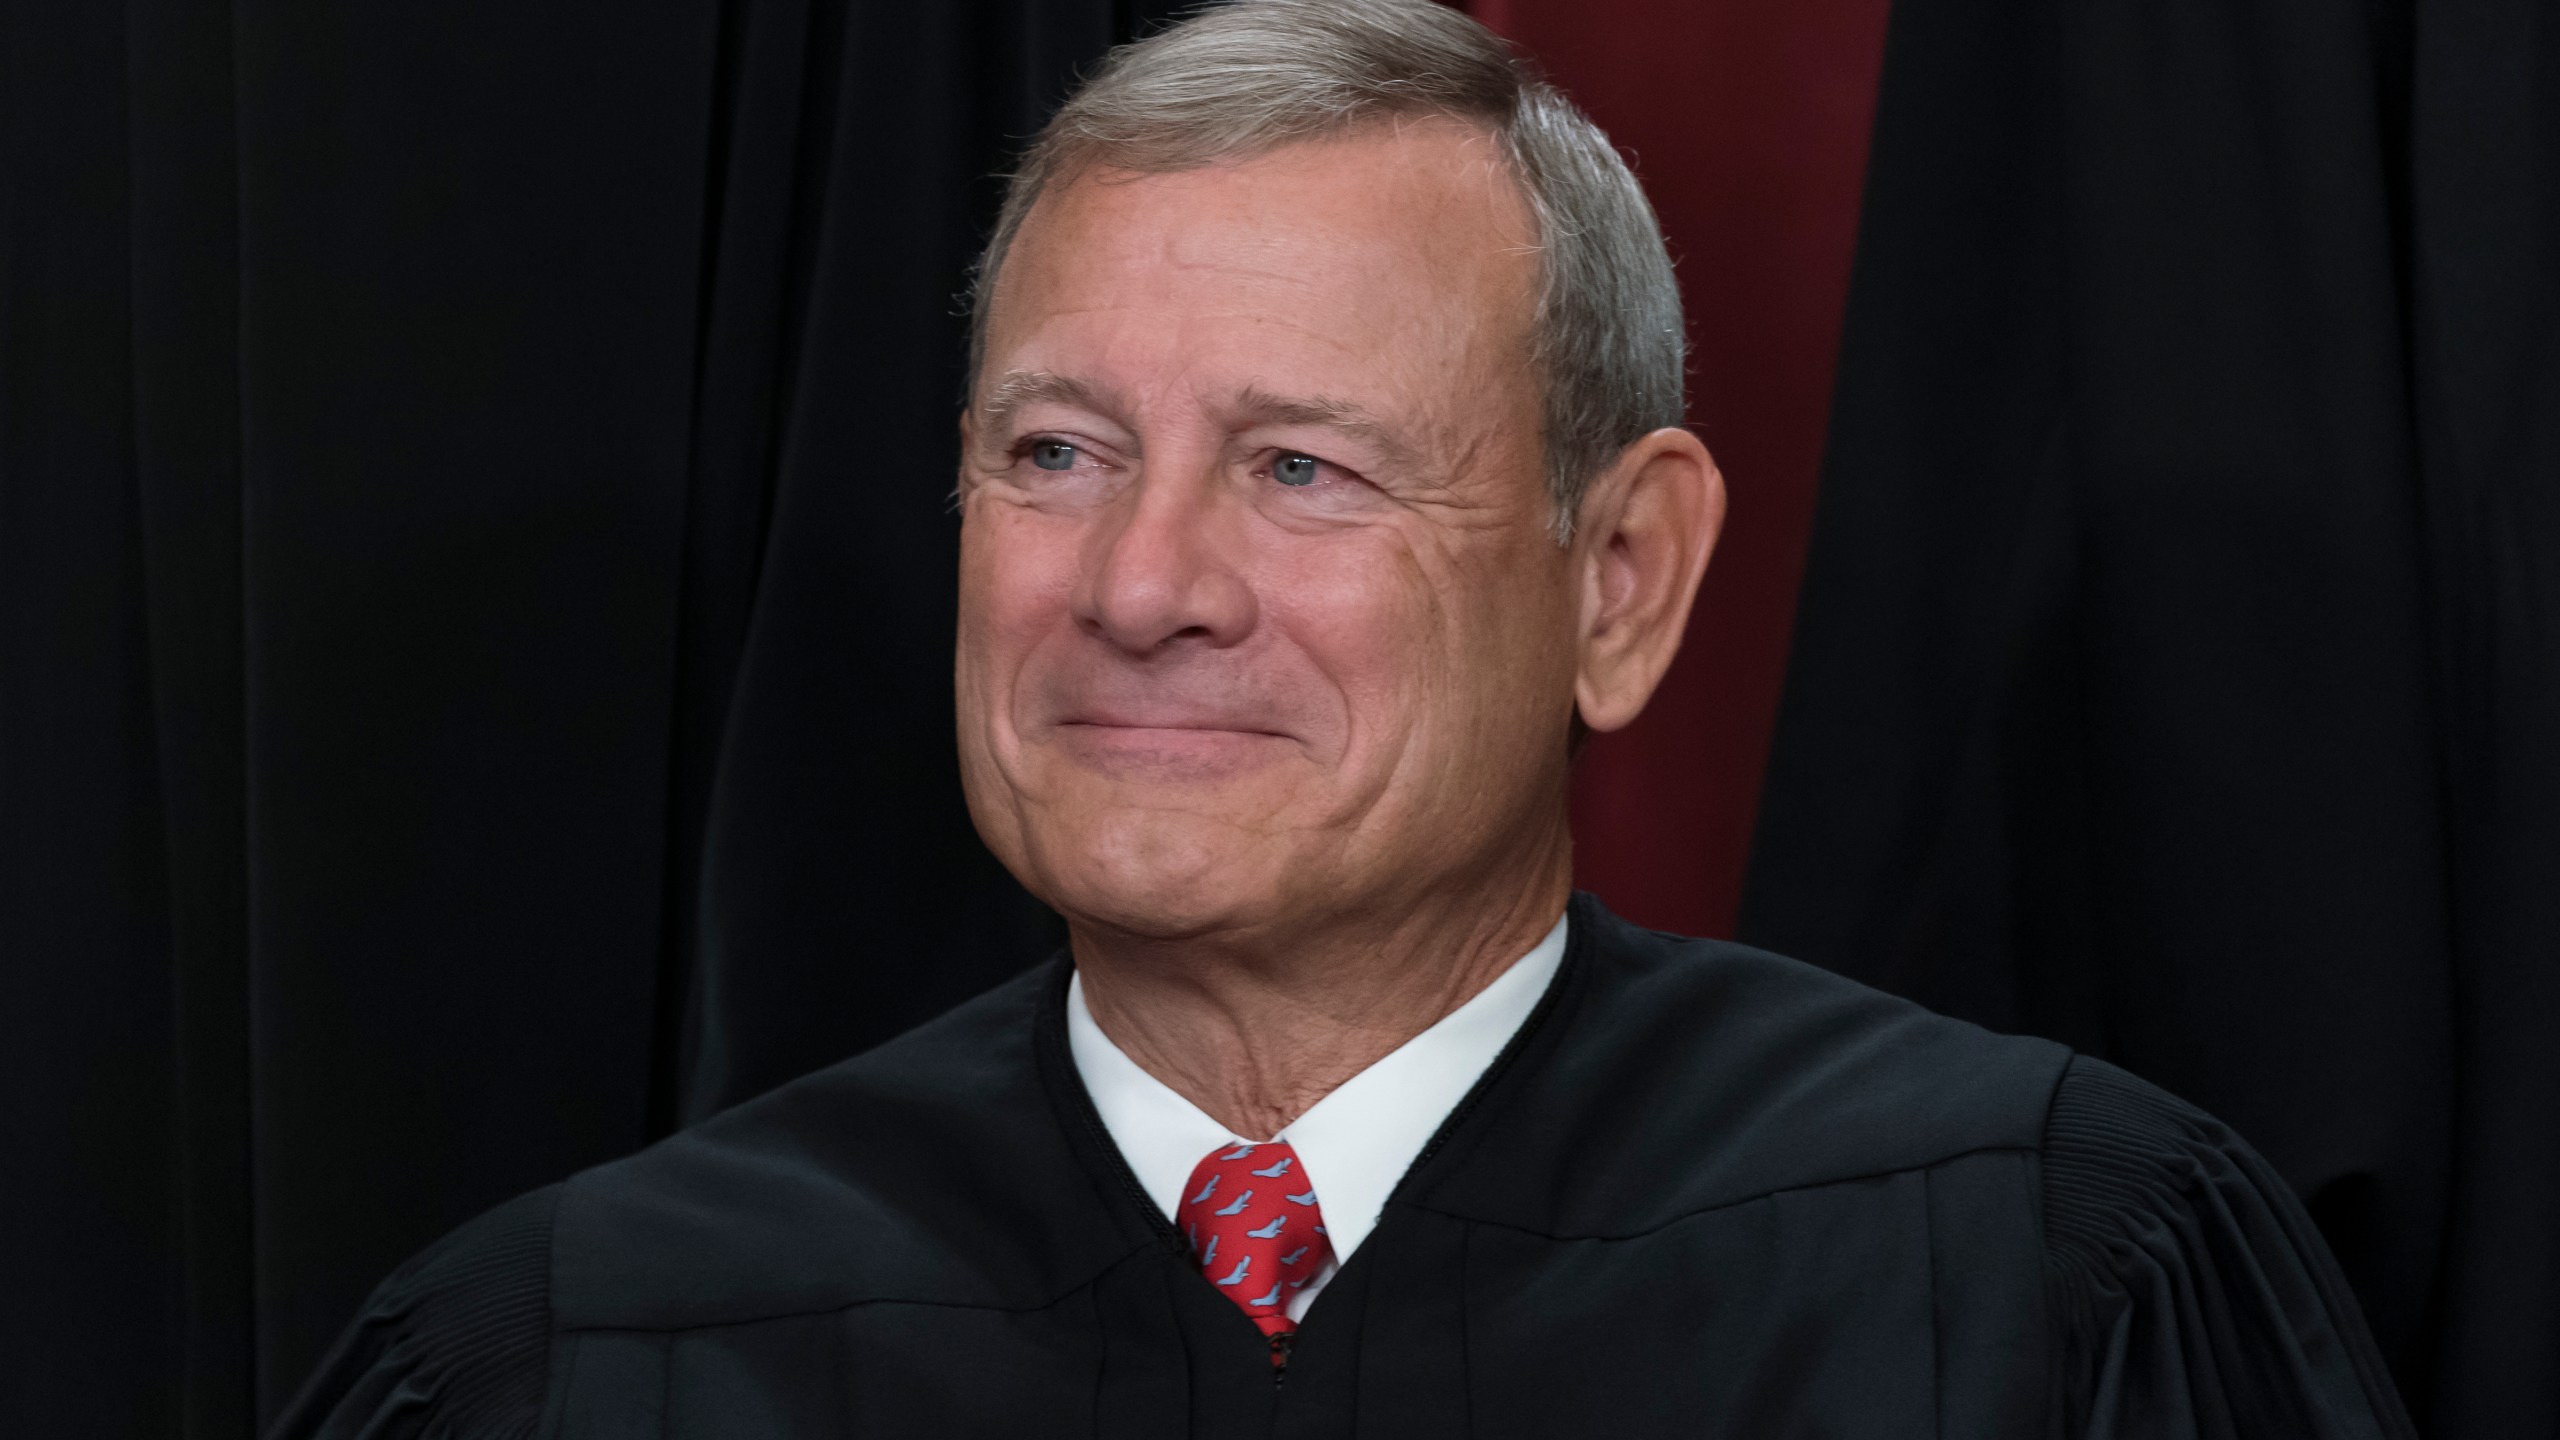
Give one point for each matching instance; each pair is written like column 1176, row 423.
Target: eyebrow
column 1256, row 406
column 1021, row 389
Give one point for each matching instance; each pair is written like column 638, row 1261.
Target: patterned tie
column 1254, row 1225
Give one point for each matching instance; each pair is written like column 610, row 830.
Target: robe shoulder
column 2191, row 1293
column 897, row 1176
column 2184, row 1292
column 1676, row 1076
column 892, row 1176
column 455, row 1342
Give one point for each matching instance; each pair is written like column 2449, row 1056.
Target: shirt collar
column 1356, row 1142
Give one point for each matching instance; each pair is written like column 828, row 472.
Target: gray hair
column 1243, row 78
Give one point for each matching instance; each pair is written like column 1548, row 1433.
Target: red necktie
column 1254, row 1225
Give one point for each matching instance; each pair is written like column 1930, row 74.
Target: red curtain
column 1747, row 120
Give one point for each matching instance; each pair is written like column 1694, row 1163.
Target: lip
column 1184, row 752
column 1112, row 735
column 1140, row 725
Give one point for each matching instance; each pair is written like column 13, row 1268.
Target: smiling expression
column 1260, row 614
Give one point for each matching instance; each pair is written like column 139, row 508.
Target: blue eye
column 1295, row 469
column 1053, row 455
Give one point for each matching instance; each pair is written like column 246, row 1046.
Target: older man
column 1322, row 477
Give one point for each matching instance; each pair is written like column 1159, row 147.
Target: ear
column 1645, row 529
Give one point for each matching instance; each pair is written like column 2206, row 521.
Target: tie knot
column 1251, row 1218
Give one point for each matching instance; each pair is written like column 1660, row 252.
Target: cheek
column 1017, row 575
column 1367, row 614
column 1444, row 659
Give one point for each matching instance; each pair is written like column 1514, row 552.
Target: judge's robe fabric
column 1705, row 1190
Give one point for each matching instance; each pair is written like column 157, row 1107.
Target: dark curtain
column 2178, row 667
column 475, row 610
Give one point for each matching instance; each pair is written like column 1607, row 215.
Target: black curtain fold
column 2485, row 239
column 184, row 378
column 477, row 570
column 2175, row 667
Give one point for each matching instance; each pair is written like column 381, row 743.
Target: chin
column 1165, row 877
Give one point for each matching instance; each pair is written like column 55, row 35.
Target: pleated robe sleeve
column 455, row 1345
column 2195, row 1299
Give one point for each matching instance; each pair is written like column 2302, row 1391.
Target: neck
column 1255, row 1027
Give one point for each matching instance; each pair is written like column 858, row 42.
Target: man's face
column 1260, row 618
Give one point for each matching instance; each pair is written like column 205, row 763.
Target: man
column 1322, row 477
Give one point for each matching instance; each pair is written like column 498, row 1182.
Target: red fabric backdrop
column 1747, row 120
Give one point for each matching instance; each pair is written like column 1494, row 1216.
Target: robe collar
column 1356, row 1142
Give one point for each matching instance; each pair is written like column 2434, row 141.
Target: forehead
column 1397, row 257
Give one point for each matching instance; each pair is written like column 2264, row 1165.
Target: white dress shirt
column 1356, row 1143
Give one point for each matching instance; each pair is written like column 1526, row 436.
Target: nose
column 1158, row 571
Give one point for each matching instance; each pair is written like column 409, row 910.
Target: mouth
column 1159, row 749
column 1167, row 727
column 1099, row 715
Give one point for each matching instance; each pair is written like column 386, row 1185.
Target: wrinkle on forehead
column 1391, row 269
column 1472, row 207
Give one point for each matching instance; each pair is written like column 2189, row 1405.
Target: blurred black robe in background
column 2177, row 672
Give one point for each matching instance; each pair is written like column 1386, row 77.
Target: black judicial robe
column 1705, row 1192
